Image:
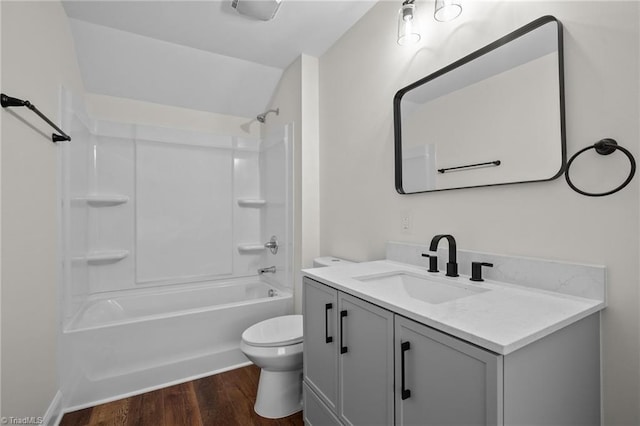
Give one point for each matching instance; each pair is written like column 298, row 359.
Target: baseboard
column 54, row 412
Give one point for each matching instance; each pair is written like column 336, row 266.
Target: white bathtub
column 132, row 342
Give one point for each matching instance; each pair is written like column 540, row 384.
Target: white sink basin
column 421, row 288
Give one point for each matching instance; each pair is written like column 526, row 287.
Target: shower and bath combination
column 140, row 307
column 263, row 117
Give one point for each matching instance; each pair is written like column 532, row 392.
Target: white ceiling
column 200, row 54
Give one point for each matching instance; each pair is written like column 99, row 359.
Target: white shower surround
column 137, row 236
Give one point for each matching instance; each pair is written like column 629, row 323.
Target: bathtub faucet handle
column 271, row 269
column 272, row 245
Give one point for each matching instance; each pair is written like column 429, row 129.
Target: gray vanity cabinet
column 446, row 381
column 348, row 362
column 397, row 371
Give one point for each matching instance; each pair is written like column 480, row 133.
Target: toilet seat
column 280, row 331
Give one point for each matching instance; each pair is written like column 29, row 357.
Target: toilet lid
column 278, row 331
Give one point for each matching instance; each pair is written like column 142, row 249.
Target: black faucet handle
column 476, row 270
column 433, row 262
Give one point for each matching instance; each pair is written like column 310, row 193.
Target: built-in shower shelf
column 251, row 202
column 250, row 248
column 103, row 200
column 102, row 257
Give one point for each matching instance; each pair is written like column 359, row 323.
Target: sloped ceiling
column 200, row 54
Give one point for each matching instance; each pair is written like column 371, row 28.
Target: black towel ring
column 602, row 147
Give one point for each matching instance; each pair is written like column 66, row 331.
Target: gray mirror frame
column 397, row 121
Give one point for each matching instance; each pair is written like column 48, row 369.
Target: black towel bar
column 487, row 164
column 8, row 102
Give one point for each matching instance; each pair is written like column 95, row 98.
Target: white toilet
column 275, row 345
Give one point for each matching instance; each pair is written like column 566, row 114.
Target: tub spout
column 271, row 269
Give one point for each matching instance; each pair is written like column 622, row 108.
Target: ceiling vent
column 264, row 10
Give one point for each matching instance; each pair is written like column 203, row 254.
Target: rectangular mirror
column 493, row 117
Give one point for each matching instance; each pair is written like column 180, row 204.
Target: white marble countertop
column 502, row 320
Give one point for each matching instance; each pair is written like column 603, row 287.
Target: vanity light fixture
column 408, row 31
column 447, row 10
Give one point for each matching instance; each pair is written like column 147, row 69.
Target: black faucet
column 452, row 265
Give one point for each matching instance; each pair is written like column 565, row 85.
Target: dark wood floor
column 223, row 399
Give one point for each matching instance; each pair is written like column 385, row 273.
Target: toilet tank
column 319, row 262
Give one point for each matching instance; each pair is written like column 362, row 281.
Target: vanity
column 387, row 342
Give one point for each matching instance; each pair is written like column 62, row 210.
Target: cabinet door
column 366, row 362
column 320, row 362
column 446, row 381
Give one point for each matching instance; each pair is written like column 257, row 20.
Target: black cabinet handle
column 343, row 348
column 327, row 308
column 406, row 393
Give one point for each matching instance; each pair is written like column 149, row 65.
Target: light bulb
column 447, row 10
column 407, row 26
